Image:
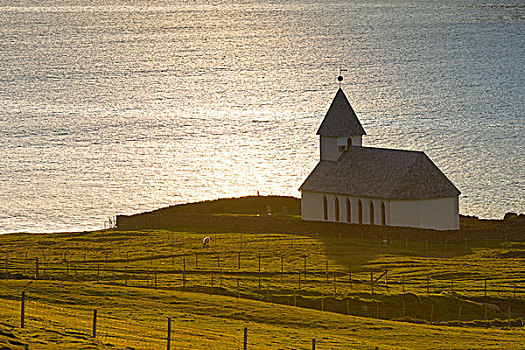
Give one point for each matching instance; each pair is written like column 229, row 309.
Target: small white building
column 376, row 186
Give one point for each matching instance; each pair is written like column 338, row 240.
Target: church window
column 336, row 209
column 360, row 211
column 372, row 213
column 348, row 211
column 325, row 208
column 383, row 214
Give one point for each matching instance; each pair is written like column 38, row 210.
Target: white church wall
column 312, row 206
column 329, row 150
column 438, row 213
column 333, row 147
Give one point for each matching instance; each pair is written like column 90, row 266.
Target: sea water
column 118, row 107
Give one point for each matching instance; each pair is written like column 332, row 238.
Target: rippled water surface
column 121, row 107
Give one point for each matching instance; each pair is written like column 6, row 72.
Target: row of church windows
column 359, row 211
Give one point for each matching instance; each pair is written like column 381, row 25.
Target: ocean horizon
column 121, row 107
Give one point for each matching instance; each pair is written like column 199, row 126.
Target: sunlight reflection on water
column 122, row 107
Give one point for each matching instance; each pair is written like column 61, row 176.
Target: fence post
column 327, row 272
column 372, row 281
column 485, row 286
column 313, row 343
column 459, row 313
column 322, row 302
column 350, row 274
column 509, row 315
column 245, row 339
column 238, row 260
column 282, row 267
column 184, row 271
column 36, row 268
column 22, row 309
column 485, row 315
column 348, row 306
column 259, row 271
column 169, row 333
column 305, row 268
column 211, row 290
column 514, row 293
column 95, row 323
column 6, row 270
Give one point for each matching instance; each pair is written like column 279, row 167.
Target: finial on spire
column 340, row 77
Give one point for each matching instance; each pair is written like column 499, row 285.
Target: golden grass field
column 433, row 296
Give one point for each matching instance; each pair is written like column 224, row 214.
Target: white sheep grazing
column 206, row 241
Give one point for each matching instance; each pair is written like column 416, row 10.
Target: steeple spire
column 340, row 128
column 340, row 120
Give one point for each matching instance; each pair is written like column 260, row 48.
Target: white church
column 376, row 186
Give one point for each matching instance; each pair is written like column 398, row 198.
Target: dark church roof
column 380, row 173
column 340, row 120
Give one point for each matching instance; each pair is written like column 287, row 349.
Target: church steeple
column 339, row 129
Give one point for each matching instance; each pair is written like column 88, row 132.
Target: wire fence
column 275, row 280
column 143, row 332
column 132, row 332
column 290, row 270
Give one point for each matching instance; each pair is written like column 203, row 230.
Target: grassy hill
column 344, row 290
